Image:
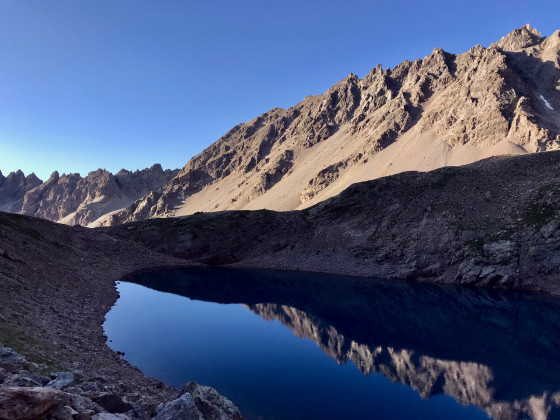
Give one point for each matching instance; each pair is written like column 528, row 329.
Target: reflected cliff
column 496, row 350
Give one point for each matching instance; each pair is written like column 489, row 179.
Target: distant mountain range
column 443, row 110
column 71, row 199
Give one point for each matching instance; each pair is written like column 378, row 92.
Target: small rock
column 182, row 408
column 211, row 404
column 90, row 386
column 82, row 404
column 64, row 413
column 42, row 380
column 60, row 380
column 20, row 381
column 74, row 390
column 487, row 195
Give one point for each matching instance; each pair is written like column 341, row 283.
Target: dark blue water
column 312, row 346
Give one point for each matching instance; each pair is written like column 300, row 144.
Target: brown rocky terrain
column 491, row 223
column 443, row 110
column 57, row 284
column 72, row 199
column 494, row 223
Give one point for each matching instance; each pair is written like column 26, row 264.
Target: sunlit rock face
column 441, row 110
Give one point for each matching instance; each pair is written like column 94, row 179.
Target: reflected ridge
column 496, row 350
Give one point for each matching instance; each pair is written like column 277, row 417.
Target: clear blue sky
column 127, row 83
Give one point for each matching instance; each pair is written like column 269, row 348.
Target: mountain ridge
column 443, row 110
column 73, row 199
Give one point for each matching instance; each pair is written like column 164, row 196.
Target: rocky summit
column 442, row 110
column 72, row 199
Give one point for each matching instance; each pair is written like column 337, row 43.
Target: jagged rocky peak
column 32, row 181
column 13, row 188
column 54, row 177
column 520, row 38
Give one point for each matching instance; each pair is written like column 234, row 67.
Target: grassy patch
column 23, row 344
column 548, row 187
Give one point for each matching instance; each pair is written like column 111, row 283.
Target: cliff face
column 72, row 199
column 445, row 109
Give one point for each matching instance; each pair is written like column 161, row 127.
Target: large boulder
column 182, row 408
column 211, row 404
column 28, row 403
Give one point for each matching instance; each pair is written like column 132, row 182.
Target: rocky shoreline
column 58, row 284
column 494, row 223
column 27, row 395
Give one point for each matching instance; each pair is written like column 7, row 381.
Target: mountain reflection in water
column 497, row 350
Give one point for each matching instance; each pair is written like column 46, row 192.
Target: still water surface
column 299, row 346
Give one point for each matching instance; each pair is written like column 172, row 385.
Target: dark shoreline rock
column 61, row 399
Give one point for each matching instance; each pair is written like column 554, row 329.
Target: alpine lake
column 292, row 345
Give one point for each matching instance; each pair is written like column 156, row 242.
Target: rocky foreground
column 58, row 282
column 25, row 394
column 495, row 223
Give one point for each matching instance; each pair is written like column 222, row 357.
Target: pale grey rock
column 182, row 408
column 211, row 404
column 111, row 416
column 61, row 380
column 10, row 360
